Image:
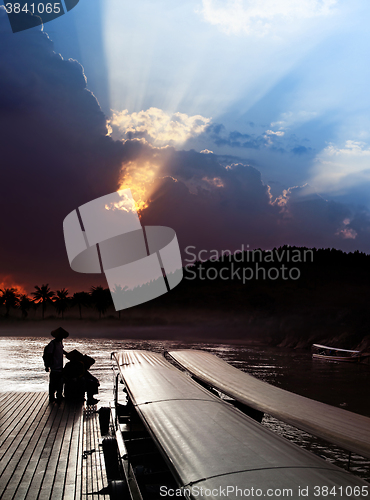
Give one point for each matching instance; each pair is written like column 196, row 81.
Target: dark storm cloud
column 54, row 153
column 214, row 204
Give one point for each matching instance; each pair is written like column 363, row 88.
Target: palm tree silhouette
column 25, row 303
column 61, row 301
column 43, row 295
column 80, row 299
column 10, row 298
column 101, row 299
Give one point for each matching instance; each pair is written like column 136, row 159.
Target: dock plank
column 70, row 487
column 15, row 434
column 8, row 404
column 78, row 485
column 93, row 449
column 43, row 459
column 100, row 463
column 42, row 450
column 94, row 477
column 64, row 456
column 50, row 415
column 9, row 417
column 84, row 468
column 17, row 465
column 54, row 459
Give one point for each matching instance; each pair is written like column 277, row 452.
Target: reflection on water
column 339, row 384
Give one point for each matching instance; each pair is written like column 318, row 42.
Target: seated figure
column 78, row 380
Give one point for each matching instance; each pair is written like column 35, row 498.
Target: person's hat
column 60, row 333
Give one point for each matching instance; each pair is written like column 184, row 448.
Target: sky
column 232, row 121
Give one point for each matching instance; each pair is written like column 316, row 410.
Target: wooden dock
column 49, row 451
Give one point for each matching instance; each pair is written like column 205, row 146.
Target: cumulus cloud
column 347, row 233
column 157, row 126
column 278, row 133
column 259, row 17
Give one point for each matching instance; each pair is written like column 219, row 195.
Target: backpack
column 48, row 356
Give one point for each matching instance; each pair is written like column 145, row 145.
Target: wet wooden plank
column 44, row 431
column 100, row 463
column 85, row 464
column 10, row 418
column 43, row 459
column 13, row 436
column 8, row 403
column 94, row 477
column 78, row 486
column 54, row 462
column 16, row 467
column 42, row 449
column 71, row 488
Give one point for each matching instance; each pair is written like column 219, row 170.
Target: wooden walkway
column 49, row 451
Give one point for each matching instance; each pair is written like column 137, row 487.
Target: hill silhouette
column 326, row 299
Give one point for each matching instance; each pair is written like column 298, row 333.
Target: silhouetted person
column 78, row 379
column 53, row 359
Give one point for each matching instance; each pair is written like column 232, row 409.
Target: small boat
column 176, row 437
column 334, row 354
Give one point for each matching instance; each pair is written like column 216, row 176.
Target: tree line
column 98, row 298
column 329, row 269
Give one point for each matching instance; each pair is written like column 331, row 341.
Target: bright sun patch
column 139, row 176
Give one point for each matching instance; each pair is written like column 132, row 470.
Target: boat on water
column 173, row 436
column 335, row 354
